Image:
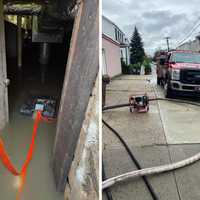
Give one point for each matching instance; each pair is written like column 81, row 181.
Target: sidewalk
column 154, row 140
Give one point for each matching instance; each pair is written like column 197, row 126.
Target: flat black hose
column 156, row 99
column 176, row 101
column 115, row 106
column 126, row 146
column 107, row 190
column 153, row 194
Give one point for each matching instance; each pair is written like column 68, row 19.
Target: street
column 169, row 132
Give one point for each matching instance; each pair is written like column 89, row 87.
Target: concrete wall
column 84, row 173
column 112, row 57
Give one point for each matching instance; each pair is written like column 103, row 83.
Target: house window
column 115, row 34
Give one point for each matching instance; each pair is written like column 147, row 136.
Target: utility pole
column 167, row 40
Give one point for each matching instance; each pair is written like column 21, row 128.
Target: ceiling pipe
column 22, row 8
column 19, row 42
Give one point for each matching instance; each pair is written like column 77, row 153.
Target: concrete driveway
column 168, row 133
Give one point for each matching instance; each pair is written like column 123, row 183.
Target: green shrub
column 125, row 67
column 147, row 65
column 135, row 68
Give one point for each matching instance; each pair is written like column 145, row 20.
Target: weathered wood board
column 81, row 72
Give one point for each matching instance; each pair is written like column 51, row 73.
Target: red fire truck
column 179, row 72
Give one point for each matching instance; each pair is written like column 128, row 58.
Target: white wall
column 108, row 28
column 112, row 53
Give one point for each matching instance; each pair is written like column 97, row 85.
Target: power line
column 194, row 28
column 188, row 36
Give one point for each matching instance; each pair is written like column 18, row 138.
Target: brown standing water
column 40, row 183
column 17, row 137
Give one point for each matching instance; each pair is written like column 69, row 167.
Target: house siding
column 112, row 57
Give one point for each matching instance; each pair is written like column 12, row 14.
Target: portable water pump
column 139, row 104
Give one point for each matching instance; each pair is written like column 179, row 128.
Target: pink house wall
column 112, row 56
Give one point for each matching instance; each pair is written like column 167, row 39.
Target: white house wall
column 108, row 29
column 112, row 53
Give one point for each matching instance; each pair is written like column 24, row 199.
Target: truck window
column 185, row 57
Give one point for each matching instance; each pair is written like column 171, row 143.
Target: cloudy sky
column 155, row 19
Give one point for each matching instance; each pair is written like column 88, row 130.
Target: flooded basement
column 17, row 137
column 35, row 79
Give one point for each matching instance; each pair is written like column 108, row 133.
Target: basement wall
column 83, row 176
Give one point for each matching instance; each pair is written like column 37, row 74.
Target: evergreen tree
column 137, row 50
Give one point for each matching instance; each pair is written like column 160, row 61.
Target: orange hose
column 8, row 164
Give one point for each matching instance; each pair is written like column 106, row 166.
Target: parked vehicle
column 179, row 73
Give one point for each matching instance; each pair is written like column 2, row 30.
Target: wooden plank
column 81, row 72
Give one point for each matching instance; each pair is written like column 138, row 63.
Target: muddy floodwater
column 17, row 137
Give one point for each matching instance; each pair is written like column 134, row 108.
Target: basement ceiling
column 58, row 9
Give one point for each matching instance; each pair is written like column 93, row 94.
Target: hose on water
column 152, row 170
column 6, row 161
column 148, row 185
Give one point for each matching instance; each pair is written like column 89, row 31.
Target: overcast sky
column 155, row 19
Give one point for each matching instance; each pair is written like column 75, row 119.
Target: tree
column 137, row 49
column 147, row 64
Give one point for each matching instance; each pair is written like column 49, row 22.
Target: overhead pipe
column 22, row 8
column 19, row 42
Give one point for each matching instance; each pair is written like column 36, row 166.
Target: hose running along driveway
column 152, row 170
